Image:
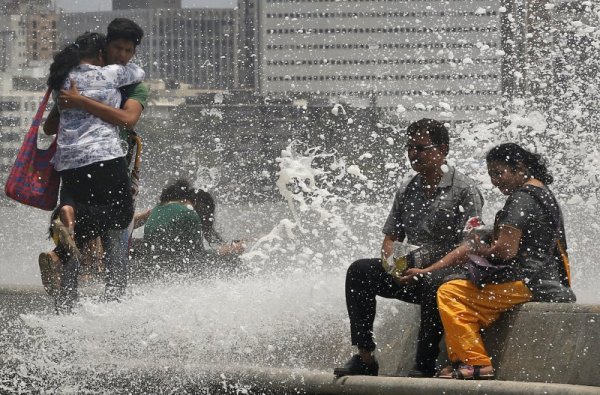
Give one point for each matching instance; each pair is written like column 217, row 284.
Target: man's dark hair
column 126, row 29
column 177, row 191
column 436, row 130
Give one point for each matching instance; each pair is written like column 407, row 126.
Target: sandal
column 65, row 239
column 50, row 270
column 474, row 372
column 446, row 373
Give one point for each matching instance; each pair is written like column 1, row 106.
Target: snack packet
column 399, row 260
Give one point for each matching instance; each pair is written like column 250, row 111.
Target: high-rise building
column 27, row 42
column 191, row 46
column 41, row 35
column 148, row 4
column 527, row 42
column 428, row 58
column 9, row 7
column 540, row 48
column 247, row 44
column 17, row 107
column 27, row 32
column 14, row 7
column 13, row 42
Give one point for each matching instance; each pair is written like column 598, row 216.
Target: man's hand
column 71, row 98
column 387, row 247
column 412, row 275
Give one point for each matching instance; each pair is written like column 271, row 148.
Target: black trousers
column 100, row 193
column 367, row 279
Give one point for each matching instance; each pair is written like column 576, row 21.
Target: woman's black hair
column 512, row 155
column 204, row 204
column 176, row 191
column 85, row 46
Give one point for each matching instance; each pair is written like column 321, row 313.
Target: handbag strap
column 37, row 119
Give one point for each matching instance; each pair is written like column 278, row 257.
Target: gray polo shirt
column 436, row 222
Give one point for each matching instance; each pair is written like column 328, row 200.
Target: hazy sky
column 105, row 5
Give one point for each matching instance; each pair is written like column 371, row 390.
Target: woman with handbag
column 526, row 261
column 95, row 192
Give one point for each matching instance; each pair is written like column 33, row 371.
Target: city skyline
column 105, row 5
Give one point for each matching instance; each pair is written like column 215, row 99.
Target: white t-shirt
column 83, row 138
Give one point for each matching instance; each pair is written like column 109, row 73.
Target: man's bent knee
column 362, row 267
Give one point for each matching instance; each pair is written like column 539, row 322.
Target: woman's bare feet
column 474, row 372
column 65, row 238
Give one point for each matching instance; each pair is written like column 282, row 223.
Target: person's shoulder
column 138, row 92
column 111, row 67
column 185, row 209
column 137, row 88
column 188, row 215
column 406, row 182
column 461, row 180
column 522, row 199
column 84, row 70
column 85, row 67
column 529, row 193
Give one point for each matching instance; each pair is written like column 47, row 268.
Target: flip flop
column 446, row 373
column 472, row 372
column 66, row 239
column 50, row 272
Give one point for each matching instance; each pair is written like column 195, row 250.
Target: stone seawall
column 538, row 348
column 535, row 342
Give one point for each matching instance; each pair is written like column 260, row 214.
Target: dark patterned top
column 536, row 254
column 436, row 222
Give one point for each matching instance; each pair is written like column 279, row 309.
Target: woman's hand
column 477, row 246
column 413, row 275
column 140, row 218
column 473, row 242
column 234, row 248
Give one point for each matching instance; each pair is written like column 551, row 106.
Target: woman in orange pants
column 525, row 261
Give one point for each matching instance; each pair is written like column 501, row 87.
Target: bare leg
column 67, row 217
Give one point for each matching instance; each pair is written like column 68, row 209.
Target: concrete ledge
column 247, row 380
column 541, row 342
column 538, row 348
column 548, row 342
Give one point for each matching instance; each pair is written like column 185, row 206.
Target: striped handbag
column 32, row 179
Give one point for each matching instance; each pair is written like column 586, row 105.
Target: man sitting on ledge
column 430, row 211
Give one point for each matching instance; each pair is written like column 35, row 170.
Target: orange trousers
column 465, row 309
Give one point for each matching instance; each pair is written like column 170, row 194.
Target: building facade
column 247, row 45
column 423, row 58
column 191, row 46
column 27, row 39
column 13, row 42
column 41, row 33
column 23, row 7
column 17, row 109
column 152, row 4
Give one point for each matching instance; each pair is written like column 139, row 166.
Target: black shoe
column 418, row 373
column 356, row 367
